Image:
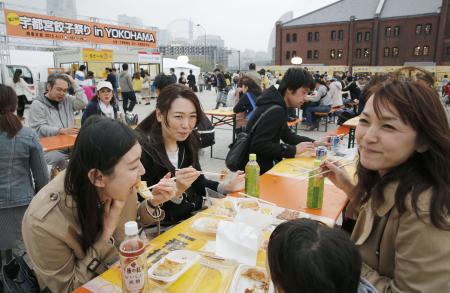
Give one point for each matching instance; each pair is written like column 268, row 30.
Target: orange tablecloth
column 58, row 142
column 291, row 193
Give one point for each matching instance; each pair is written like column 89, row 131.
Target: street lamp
column 296, row 60
column 239, row 60
column 204, row 50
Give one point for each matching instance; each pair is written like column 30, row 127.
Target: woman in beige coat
column 73, row 225
column 402, row 195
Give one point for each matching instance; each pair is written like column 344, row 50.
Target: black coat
column 265, row 141
column 112, row 78
column 355, row 91
column 193, row 198
column 244, row 104
column 221, row 83
column 191, row 80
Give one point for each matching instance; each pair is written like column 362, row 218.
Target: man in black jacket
column 265, row 141
column 191, row 80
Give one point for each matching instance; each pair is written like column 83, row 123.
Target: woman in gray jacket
column 20, row 153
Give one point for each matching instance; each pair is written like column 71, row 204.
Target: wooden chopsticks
column 318, row 168
column 327, row 171
column 256, row 198
column 154, row 185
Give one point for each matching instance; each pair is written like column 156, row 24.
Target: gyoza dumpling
column 143, row 190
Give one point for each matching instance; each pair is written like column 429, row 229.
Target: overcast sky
column 243, row 24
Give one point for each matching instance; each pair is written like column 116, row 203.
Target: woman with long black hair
column 170, row 145
column 74, row 225
column 401, row 199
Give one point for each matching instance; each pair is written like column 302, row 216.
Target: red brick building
column 368, row 33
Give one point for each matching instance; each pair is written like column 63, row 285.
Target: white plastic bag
column 230, row 98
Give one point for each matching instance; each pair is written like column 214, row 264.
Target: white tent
column 180, row 67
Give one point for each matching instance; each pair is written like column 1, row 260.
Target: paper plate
column 178, row 261
column 242, row 283
column 206, row 224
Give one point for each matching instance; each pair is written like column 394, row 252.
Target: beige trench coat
column 403, row 253
column 51, row 233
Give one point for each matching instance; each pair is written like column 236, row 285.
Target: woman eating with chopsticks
column 73, row 226
column 170, row 145
column 402, row 195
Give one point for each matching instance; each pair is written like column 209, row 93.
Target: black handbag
column 17, row 277
column 237, row 156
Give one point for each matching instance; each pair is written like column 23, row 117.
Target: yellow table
column 208, row 275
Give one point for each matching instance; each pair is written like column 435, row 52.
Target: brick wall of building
column 412, row 46
column 374, row 42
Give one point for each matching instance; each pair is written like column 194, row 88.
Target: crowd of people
column 71, row 225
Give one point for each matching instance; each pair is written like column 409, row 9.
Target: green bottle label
column 314, row 199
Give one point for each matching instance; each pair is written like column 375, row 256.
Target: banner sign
column 38, row 26
column 149, row 57
column 97, row 55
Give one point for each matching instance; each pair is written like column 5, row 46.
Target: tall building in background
column 164, row 37
column 130, row 20
column 181, row 30
column 206, row 50
column 214, row 55
column 211, row 40
column 63, row 8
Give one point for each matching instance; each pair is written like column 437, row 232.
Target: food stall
column 96, row 60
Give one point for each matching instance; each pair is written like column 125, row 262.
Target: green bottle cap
column 252, row 157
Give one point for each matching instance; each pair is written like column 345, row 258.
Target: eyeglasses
column 61, row 90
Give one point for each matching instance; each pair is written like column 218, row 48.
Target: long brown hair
column 17, row 74
column 253, row 87
column 9, row 122
column 418, row 106
column 150, row 131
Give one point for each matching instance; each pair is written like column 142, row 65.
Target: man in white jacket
column 53, row 113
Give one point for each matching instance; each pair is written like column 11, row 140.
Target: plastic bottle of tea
column 133, row 264
column 252, row 176
column 314, row 199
